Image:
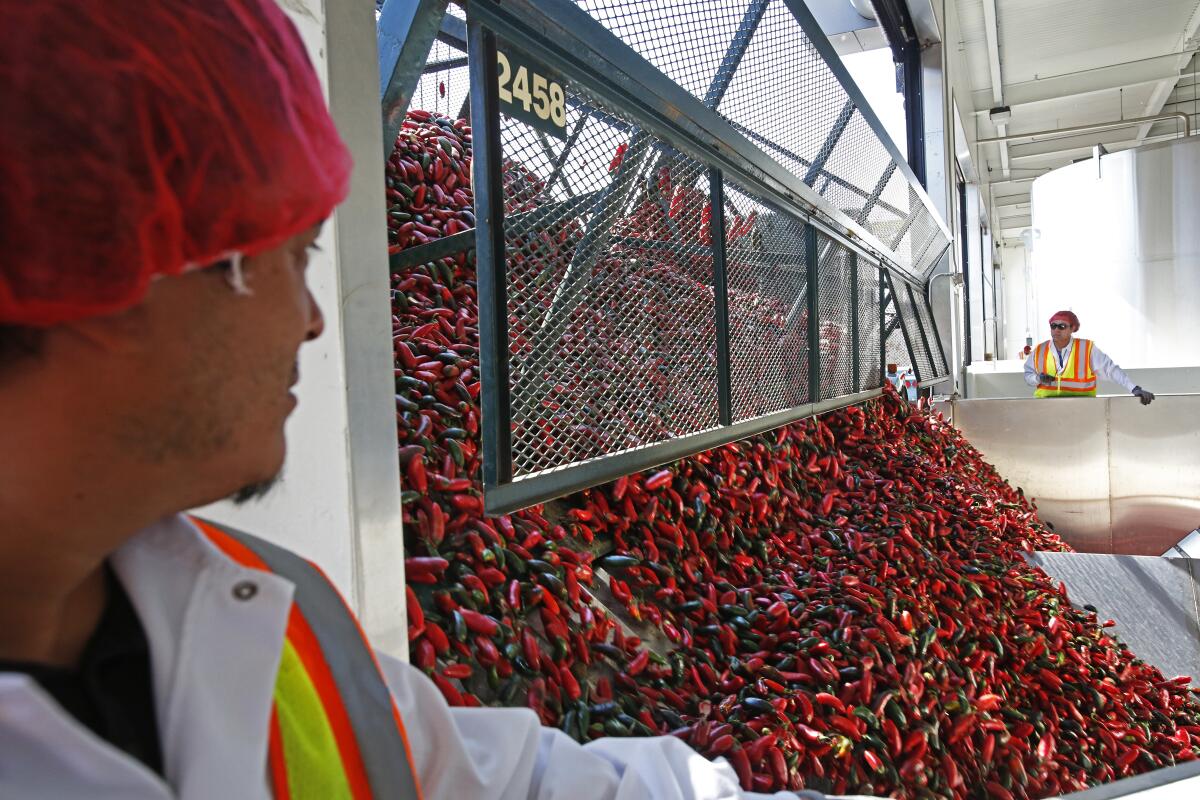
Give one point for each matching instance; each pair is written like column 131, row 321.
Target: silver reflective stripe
column 365, row 696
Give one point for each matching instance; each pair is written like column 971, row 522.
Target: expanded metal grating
column 631, row 331
column 912, row 322
column 834, row 322
column 929, row 333
column 610, row 296
column 445, row 82
column 870, row 366
column 767, row 266
column 754, row 62
column 686, row 39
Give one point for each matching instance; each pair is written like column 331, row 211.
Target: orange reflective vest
column 1076, row 379
column 334, row 731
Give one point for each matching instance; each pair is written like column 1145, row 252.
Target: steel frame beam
column 883, row 333
column 817, row 167
column 804, row 162
column 966, row 262
column 735, row 52
column 899, row 320
column 811, row 291
column 921, row 329
column 721, row 298
column 406, row 30
column 856, row 367
column 941, row 351
column 876, row 194
column 901, row 33
column 490, row 258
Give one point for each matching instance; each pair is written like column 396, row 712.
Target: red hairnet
column 145, row 138
column 1067, row 317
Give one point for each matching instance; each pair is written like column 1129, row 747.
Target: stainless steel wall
column 1112, row 476
column 1117, row 241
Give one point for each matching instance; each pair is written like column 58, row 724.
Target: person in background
column 1068, row 367
column 164, row 171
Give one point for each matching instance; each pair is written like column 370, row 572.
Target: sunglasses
column 1059, row 326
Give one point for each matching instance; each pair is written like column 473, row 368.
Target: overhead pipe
column 1095, row 126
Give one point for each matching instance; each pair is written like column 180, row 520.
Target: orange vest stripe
column 275, row 760
column 395, row 711
column 301, row 637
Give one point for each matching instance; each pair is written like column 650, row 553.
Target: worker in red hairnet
column 1064, row 366
column 164, row 171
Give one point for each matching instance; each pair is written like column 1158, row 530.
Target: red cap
column 1067, row 317
column 144, row 139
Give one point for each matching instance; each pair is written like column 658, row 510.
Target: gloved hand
column 1046, row 377
column 1146, row 397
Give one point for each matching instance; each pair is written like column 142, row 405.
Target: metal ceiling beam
column 1184, row 44
column 1184, row 122
column 1076, row 84
column 991, row 32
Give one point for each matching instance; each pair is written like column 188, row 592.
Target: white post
column 339, row 501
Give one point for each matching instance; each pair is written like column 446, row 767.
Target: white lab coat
column 1102, row 365
column 214, row 659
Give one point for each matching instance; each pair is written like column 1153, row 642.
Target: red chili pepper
column 416, row 617
column 424, row 566
column 479, row 623
column 658, row 480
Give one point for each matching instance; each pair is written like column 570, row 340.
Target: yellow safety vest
column 1076, row 378
column 335, row 732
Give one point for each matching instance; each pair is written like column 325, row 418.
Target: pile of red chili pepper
column 839, row 604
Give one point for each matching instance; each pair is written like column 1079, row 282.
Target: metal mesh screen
column 777, row 57
column 910, row 321
column 834, row 318
column 767, row 268
column 925, row 320
column 861, row 161
column 445, row 82
column 606, row 254
column 897, row 348
column 754, row 62
column 896, row 341
column 869, row 330
column 685, row 39
column 610, row 297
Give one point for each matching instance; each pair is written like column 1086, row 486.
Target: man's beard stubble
column 255, row 491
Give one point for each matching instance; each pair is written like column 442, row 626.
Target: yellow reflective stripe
column 314, row 765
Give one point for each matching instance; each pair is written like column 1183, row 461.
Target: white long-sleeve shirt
column 1102, row 365
column 214, row 656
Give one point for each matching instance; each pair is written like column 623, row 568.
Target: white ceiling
column 1065, row 63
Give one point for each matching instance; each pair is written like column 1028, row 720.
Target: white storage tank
column 1116, row 239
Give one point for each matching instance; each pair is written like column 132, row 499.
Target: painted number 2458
column 533, row 91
